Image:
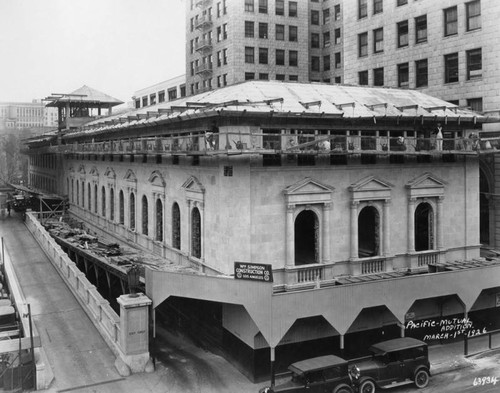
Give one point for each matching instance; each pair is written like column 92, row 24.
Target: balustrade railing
column 310, row 274
column 373, row 266
column 427, row 258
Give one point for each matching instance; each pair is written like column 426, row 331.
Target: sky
column 114, row 46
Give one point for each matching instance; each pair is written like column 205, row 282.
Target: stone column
column 411, row 225
column 189, row 228
column 327, row 208
column 134, row 333
column 290, row 236
column 354, row 229
column 439, row 224
column 387, row 235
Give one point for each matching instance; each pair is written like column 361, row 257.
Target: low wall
column 98, row 309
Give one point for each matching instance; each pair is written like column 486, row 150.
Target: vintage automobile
column 392, row 363
column 328, row 373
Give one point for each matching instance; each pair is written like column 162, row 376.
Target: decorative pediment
column 94, row 171
column 426, row 185
column 130, row 176
column 110, row 173
column 71, row 169
column 81, row 169
column 371, row 188
column 194, row 190
column 156, row 179
column 308, row 191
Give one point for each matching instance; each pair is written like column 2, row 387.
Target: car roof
column 396, row 344
column 318, row 363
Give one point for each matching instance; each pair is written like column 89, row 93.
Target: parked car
column 392, row 363
column 328, row 373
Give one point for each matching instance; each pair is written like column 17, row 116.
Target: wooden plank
column 13, row 345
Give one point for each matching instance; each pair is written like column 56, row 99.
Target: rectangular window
column 326, row 39
column 474, row 64
column 326, row 63
column 473, row 14
column 378, row 6
column 249, row 29
column 280, row 32
column 263, row 77
column 280, row 7
column 475, row 104
column 172, row 94
column 224, row 57
column 293, row 78
column 337, row 12
column 421, row 73
column 363, row 44
column 378, row 40
column 262, row 6
column 263, row 55
column 161, row 96
column 314, row 17
column 249, row 54
column 292, row 8
column 249, row 6
column 219, row 59
column 451, row 68
column 280, row 77
column 280, row 57
column 450, row 21
column 337, row 60
column 326, row 16
column 378, row 77
column 337, row 36
column 363, row 78
column 403, row 34
column 362, row 9
column 421, row 29
column 402, row 2
column 403, row 75
column 224, row 80
column 292, row 33
column 315, row 63
column 224, row 31
column 263, row 30
column 152, row 99
column 218, row 9
column 293, row 58
column 314, row 40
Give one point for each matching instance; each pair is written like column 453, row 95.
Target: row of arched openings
column 90, row 203
column 307, row 233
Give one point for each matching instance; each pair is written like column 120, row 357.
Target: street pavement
column 82, row 362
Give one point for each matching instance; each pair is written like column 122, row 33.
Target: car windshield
column 298, row 378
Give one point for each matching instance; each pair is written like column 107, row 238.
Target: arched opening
column 95, row 199
column 424, row 227
column 77, row 192
column 112, row 204
column 89, row 199
column 83, row 194
column 103, row 201
column 484, row 209
column 132, row 211
column 368, row 232
column 159, row 220
column 176, row 226
column 144, row 215
column 306, row 238
column 196, row 233
column 121, row 207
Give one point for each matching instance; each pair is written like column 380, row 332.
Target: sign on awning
column 253, row 271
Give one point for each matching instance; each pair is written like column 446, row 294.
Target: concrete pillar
column 387, row 235
column 272, row 366
column 341, row 344
column 327, row 208
column 134, row 331
column 290, row 236
column 411, row 225
column 439, row 223
column 354, row 229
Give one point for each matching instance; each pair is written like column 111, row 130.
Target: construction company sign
column 253, row 271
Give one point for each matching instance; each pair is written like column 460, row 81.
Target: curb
column 446, row 367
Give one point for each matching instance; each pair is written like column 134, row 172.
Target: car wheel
column 367, row 387
column 343, row 389
column 421, row 379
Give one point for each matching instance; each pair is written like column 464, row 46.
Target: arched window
column 121, row 207
column 159, row 220
column 424, row 227
column 83, row 194
column 95, row 199
column 77, row 192
column 145, row 215
column 89, row 197
column 306, row 238
column 368, row 232
column 103, row 201
column 176, row 226
column 112, row 204
column 132, row 211
column 196, row 233
column 72, row 190
column 67, row 184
